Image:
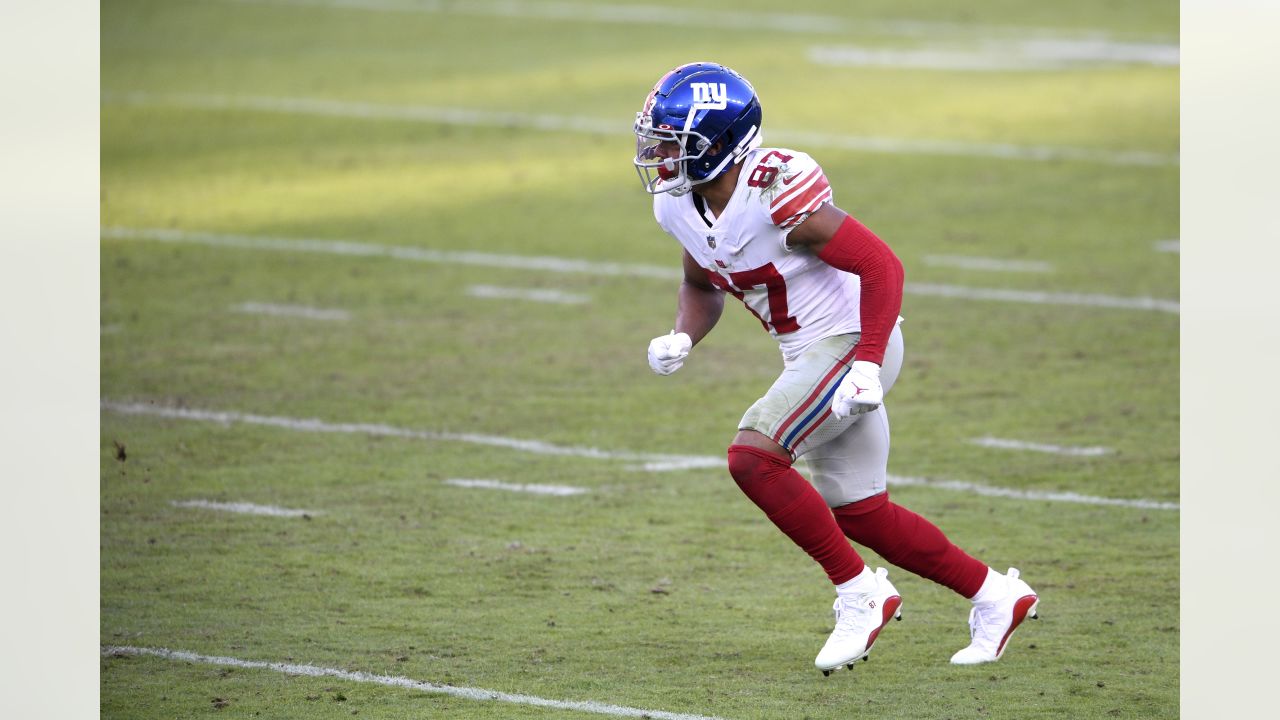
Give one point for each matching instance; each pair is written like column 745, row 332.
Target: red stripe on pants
column 805, row 407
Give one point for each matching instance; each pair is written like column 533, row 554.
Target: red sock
column 911, row 542
column 796, row 508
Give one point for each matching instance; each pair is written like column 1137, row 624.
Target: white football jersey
column 797, row 297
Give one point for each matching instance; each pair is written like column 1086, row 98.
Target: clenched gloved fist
column 859, row 392
column 667, row 353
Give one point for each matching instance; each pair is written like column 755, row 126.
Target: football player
column 760, row 224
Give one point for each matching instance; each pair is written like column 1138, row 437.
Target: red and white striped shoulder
column 800, row 188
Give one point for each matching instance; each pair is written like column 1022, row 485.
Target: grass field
column 290, row 318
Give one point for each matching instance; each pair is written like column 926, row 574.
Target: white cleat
column 859, row 619
column 991, row 624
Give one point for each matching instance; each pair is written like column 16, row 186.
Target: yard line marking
column 533, row 295
column 1017, row 56
column 298, row 311
column 312, row 425
column 670, row 465
column 398, row 252
column 1043, row 298
column 372, row 111
column 466, row 693
column 584, row 267
column 1045, row 495
column 1168, row 246
column 1004, row 444
column 600, row 126
column 965, row 262
column 688, row 17
column 1097, row 49
column 648, row 461
column 957, row 148
column 560, row 490
column 243, row 507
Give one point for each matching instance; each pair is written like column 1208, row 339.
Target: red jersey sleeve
column 853, row 248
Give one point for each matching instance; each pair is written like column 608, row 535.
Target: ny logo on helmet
column 709, row 96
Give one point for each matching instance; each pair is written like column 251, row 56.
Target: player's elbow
column 896, row 269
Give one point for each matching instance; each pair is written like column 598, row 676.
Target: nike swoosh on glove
column 859, row 392
column 667, row 352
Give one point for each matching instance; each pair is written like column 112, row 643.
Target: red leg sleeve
column 796, row 508
column 911, row 542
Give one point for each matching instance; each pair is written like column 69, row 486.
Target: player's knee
column 751, row 464
column 742, row 464
column 900, row 536
column 873, row 521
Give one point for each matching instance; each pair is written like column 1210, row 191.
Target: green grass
column 398, row 573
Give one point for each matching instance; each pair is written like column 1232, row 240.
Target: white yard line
column 372, row 111
column 990, row 56
column 560, row 490
column 298, row 311
column 466, row 693
column 957, row 148
column 686, row 17
column 536, row 447
column 966, row 262
column 648, row 461
column 397, row 252
column 1041, row 495
column 1043, row 298
column 1168, row 246
column 586, row 267
column 1005, row 444
column 692, row 463
column 531, row 294
column 243, row 507
column 618, row 127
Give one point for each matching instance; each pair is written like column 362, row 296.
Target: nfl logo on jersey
column 711, row 241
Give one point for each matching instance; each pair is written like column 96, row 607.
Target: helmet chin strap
column 677, row 186
column 749, row 141
column 681, row 183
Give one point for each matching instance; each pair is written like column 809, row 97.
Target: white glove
column 859, row 392
column 667, row 353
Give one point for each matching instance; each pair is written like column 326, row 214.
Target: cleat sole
column 1030, row 603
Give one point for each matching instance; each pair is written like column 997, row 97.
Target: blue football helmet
column 698, row 121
